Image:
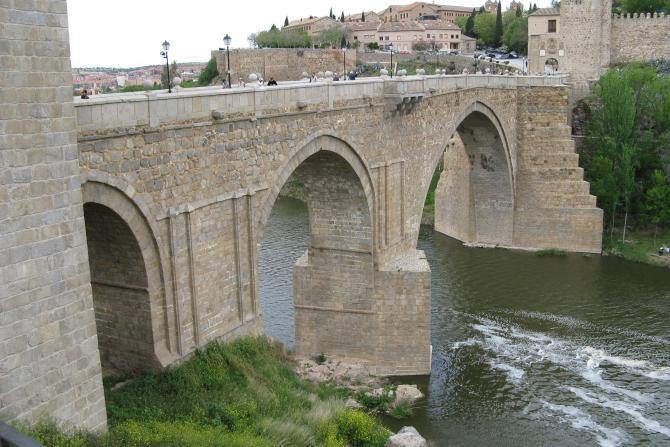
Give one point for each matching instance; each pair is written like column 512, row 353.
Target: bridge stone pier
column 166, row 208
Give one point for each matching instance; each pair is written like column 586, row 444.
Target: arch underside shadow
column 474, row 199
column 126, row 281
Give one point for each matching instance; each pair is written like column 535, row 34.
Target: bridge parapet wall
column 116, row 113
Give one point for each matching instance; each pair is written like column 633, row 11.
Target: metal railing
column 11, row 437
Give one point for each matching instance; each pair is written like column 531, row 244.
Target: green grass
column 429, row 204
column 551, row 252
column 639, row 247
column 239, row 394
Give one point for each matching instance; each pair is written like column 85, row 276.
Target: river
column 528, row 350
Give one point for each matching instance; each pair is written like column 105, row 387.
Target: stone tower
column 49, row 361
column 585, row 29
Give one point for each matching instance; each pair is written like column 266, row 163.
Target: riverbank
column 243, row 393
column 639, row 247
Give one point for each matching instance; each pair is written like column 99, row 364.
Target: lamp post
column 226, row 41
column 391, row 48
column 164, row 53
column 344, row 53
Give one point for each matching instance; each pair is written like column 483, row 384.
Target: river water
column 527, row 350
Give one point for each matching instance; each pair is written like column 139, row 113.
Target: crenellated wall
column 640, row 37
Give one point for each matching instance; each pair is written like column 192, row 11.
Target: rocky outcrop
column 407, row 393
column 407, row 437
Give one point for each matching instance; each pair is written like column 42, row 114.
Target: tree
column 519, row 10
column 173, row 74
column 657, row 200
column 334, row 35
column 420, row 45
column 330, row 14
column 373, row 46
column 275, row 38
column 485, row 25
column 497, row 39
column 286, row 21
column 470, row 24
column 208, row 73
column 534, row 7
column 343, row 42
column 251, row 38
column 342, row 17
column 363, row 16
column 482, row 10
column 643, row 6
column 516, row 35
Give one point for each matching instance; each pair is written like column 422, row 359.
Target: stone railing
column 157, row 108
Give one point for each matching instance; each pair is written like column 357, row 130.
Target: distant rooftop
column 547, row 12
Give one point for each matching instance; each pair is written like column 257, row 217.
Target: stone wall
column 49, row 361
column 640, row 37
column 283, row 64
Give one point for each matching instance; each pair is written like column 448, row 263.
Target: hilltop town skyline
column 97, row 41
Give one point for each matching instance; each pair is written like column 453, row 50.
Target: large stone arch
column 318, row 141
column 475, row 197
column 121, row 221
column 333, row 280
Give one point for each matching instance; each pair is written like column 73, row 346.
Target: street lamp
column 344, row 53
column 226, row 41
column 391, row 48
column 164, row 53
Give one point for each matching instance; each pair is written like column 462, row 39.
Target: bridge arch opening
column 474, row 197
column 332, row 275
column 125, row 283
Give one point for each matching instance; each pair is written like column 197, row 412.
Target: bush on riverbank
column 244, row 393
column 638, row 247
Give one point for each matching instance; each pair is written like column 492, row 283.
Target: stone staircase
column 551, row 172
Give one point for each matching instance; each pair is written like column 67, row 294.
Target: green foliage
column 132, row 88
column 551, row 252
column 376, row 403
column 644, row 6
column 320, row 359
column 373, row 45
column 286, row 21
column 498, row 33
column 360, row 429
column 516, row 35
column 174, row 72
column 363, row 16
column 209, row 73
column 239, row 394
column 342, row 17
column 403, row 410
column 469, row 28
column 420, row 45
column 626, row 139
column 657, row 200
column 275, row 38
column 485, row 28
column 333, row 35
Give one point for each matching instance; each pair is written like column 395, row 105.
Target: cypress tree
column 518, row 11
column 470, row 24
column 363, row 16
column 534, row 7
column 342, row 17
column 343, row 42
column 286, row 21
column 497, row 39
column 331, row 14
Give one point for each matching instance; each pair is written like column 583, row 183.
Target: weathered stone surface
column 407, row 393
column 49, row 361
column 407, row 437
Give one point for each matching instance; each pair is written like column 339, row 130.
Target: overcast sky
column 126, row 33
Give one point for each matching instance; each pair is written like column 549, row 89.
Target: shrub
column 360, row 429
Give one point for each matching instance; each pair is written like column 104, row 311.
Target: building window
column 381, row 38
column 428, row 36
column 386, row 37
column 552, row 26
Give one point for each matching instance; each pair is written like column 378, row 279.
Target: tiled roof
column 307, row 21
column 363, row 26
column 439, row 24
column 547, row 12
column 454, row 8
column 400, row 26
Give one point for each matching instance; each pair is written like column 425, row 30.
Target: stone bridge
column 178, row 188
column 157, row 203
